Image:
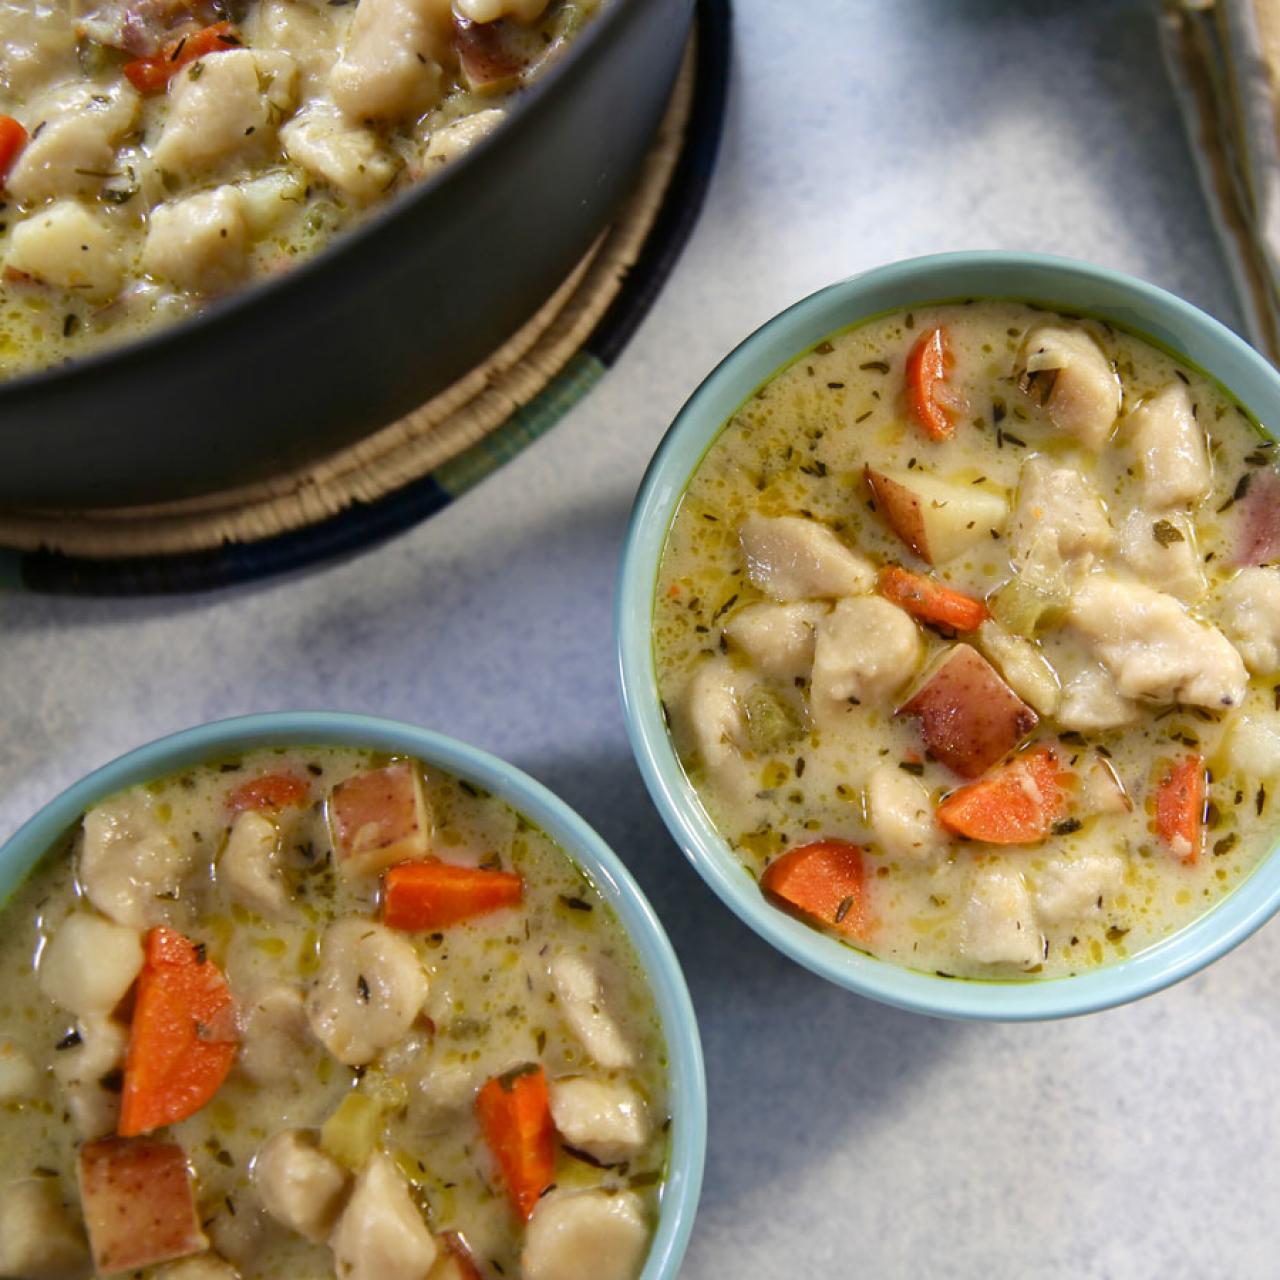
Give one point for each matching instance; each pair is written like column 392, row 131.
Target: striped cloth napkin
column 1224, row 59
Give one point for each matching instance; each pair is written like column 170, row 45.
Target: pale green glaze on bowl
column 1122, row 301
column 321, row 728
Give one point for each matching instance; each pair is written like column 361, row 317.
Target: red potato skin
column 969, row 717
column 488, row 59
column 138, row 1204
column 376, row 811
column 900, row 509
column 1259, row 537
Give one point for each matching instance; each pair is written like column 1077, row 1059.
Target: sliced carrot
column 432, row 895
column 928, row 363
column 138, row 1204
column 153, row 73
column 515, row 1116
column 823, row 882
column 183, row 1038
column 930, row 601
column 270, row 791
column 1016, row 803
column 13, row 137
column 1180, row 807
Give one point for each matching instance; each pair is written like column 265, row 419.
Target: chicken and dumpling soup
column 318, row 1013
column 155, row 155
column 967, row 630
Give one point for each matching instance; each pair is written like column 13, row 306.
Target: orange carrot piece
column 13, row 137
column 1180, row 807
column 432, row 895
column 270, row 791
column 183, row 1038
column 138, row 1204
column 515, row 1116
column 1016, row 803
column 153, row 73
column 928, row 363
column 930, row 601
column 823, row 882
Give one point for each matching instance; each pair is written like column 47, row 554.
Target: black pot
column 388, row 315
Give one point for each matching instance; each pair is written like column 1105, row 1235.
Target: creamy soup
column 968, row 634
column 314, row 1013
column 158, row 153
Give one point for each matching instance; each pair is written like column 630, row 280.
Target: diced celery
column 1021, row 608
column 350, row 1135
column 771, row 723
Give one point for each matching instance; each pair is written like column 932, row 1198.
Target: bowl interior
column 1151, row 313
column 183, row 750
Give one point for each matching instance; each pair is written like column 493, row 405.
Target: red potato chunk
column 138, row 1204
column 379, row 818
column 1258, row 539
column 969, row 717
column 938, row 519
column 489, row 54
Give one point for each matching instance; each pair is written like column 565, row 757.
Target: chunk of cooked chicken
column 588, row 1235
column 1066, row 371
column 1253, row 744
column 276, row 1044
column 200, row 243
column 18, row 1075
column 900, row 811
column 778, row 638
column 1153, row 648
column 73, row 146
column 304, row 31
column 1023, row 665
column 219, row 110
column 608, row 1121
column 128, row 862
column 1090, row 700
column 459, row 136
column 492, row 10
column 795, row 558
column 89, row 963
column 584, row 1003
column 247, row 865
column 299, row 1186
column 391, row 68
column 81, row 1069
column 381, row 1234
column 1172, row 449
column 710, row 716
column 369, row 988
column 1250, row 612
column 998, row 924
column 67, row 246
column 38, row 1236
column 866, row 651
column 1073, row 888
column 347, row 156
column 1162, row 551
column 1059, row 521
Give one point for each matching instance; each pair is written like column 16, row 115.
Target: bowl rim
column 686, row 1075
column 1129, row 303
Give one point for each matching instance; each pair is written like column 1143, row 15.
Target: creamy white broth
column 114, row 221
column 493, row 1005
column 799, row 448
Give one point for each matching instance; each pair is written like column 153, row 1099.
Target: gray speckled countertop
column 846, row 1139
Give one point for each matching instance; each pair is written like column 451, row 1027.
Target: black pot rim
column 286, row 292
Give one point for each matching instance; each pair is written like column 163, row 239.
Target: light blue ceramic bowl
column 544, row 810
column 1123, row 302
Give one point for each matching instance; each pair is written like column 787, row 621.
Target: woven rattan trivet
column 418, row 464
